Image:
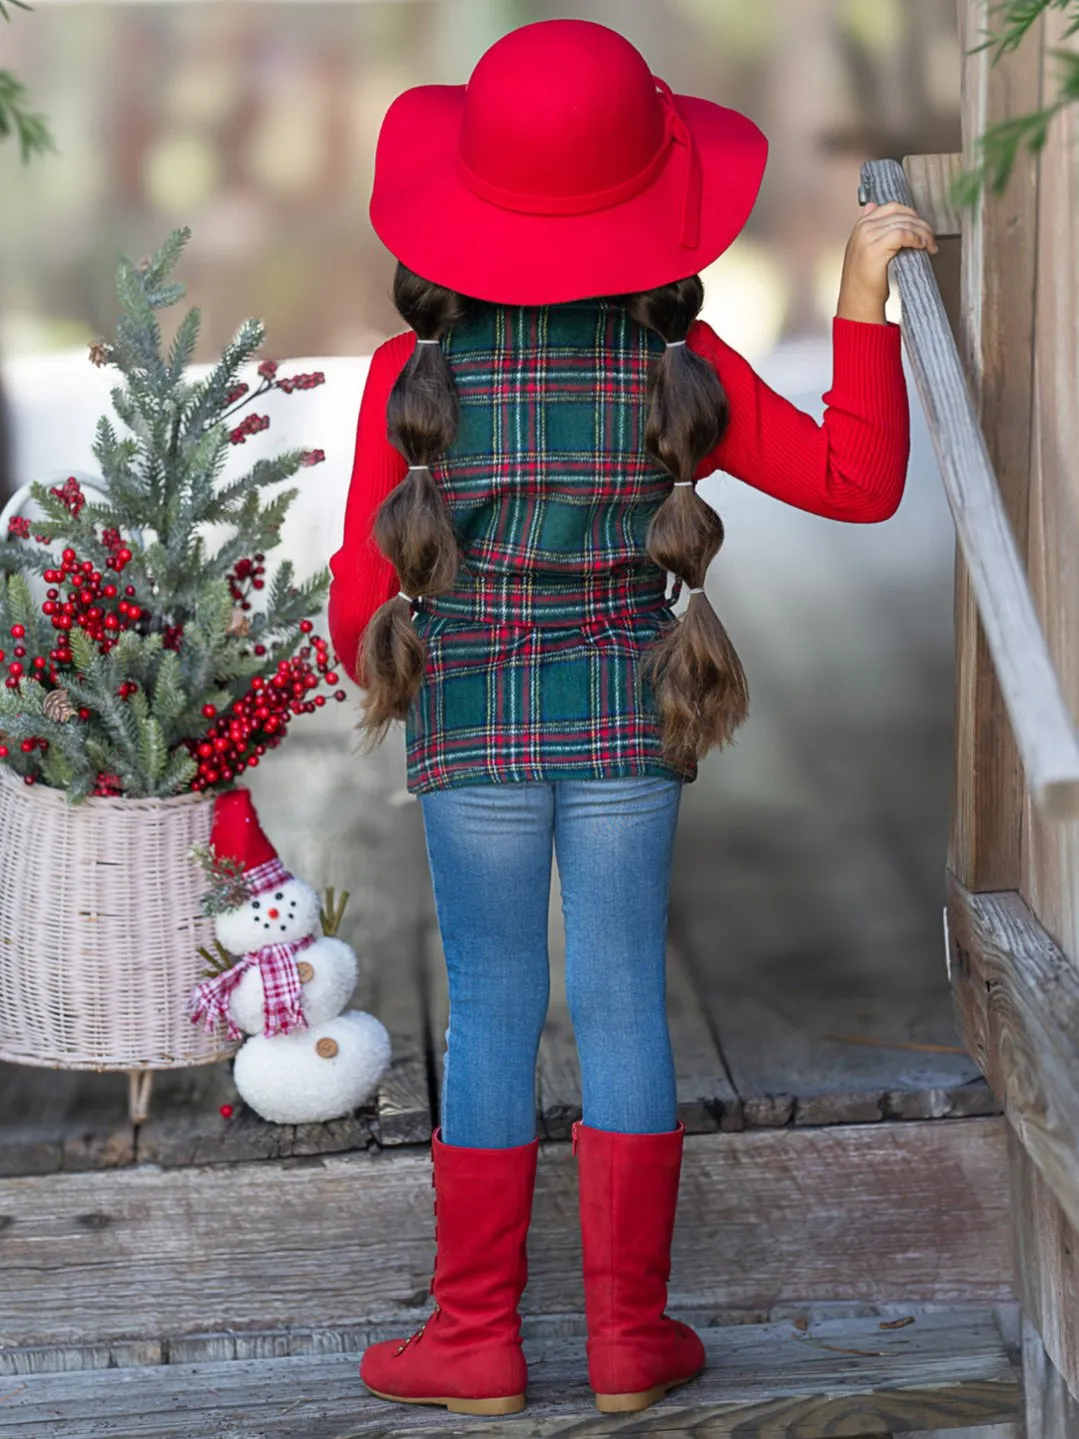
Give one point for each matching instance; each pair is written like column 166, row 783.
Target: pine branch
column 15, row 118
column 1001, row 144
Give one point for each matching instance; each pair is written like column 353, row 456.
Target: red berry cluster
column 93, row 604
column 108, row 785
column 259, row 720
column 312, row 457
column 246, row 575
column 268, row 369
column 119, row 554
column 27, row 746
column 251, row 426
column 19, row 527
column 302, row 382
column 237, row 393
column 69, row 494
column 16, row 669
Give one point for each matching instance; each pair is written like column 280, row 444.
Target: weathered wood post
column 1014, row 872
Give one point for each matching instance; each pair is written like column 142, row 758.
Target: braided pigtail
column 700, row 686
column 413, row 527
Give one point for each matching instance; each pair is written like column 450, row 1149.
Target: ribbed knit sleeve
column 853, row 465
column 363, row 579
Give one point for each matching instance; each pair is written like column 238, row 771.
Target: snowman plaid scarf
column 282, row 1009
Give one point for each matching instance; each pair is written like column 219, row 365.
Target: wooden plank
column 1050, row 1409
column 1019, row 1000
column 995, row 338
column 1050, row 876
column 1040, row 719
column 814, row 951
column 62, row 1119
column 850, row 1213
column 296, row 1340
column 1046, row 1262
column 930, row 179
column 841, row 1377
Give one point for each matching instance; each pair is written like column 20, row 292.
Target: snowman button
column 305, row 971
column 326, row 1047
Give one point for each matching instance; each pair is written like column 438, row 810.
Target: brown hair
column 699, row 683
column 413, row 527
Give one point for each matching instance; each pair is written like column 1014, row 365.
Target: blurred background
column 255, row 124
column 811, row 855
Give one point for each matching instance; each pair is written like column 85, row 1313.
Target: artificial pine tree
column 161, row 660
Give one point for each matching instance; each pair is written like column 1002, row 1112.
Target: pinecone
column 99, row 353
column 58, row 707
column 238, row 624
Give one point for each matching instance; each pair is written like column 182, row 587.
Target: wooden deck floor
column 852, row 1377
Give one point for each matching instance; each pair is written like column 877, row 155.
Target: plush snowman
column 306, row 1060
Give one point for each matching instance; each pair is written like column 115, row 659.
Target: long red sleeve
column 852, row 466
column 363, row 579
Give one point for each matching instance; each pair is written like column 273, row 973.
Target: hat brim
column 430, row 221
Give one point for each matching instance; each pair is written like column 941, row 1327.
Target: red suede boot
column 467, row 1355
column 628, row 1188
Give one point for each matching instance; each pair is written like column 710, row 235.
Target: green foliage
column 132, row 701
column 15, row 117
column 1000, row 145
column 228, row 886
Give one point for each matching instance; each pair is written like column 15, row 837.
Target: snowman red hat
column 236, row 834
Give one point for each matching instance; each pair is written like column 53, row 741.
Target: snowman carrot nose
column 272, row 913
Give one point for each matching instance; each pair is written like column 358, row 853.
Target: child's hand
column 879, row 232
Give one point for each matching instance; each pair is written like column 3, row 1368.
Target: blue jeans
column 489, row 848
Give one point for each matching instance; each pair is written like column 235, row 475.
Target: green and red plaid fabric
column 533, row 660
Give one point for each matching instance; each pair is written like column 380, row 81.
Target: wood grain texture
column 1019, row 1000
column 842, row 1377
column 905, row 1211
column 55, row 1119
column 1050, row 1410
column 815, row 948
column 995, row 338
column 1050, row 868
column 1047, row 1263
column 930, row 179
column 1039, row 717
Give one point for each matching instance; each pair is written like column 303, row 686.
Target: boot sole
column 511, row 1405
column 644, row 1399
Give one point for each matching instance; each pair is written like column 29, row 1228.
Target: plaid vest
column 533, row 658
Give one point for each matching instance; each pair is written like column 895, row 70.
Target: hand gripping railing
column 1043, row 727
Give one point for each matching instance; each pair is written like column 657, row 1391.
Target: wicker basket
column 99, row 932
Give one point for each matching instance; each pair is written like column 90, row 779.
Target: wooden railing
column 1043, row 727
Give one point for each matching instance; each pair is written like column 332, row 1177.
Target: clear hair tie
column 425, row 342
column 409, row 599
column 684, row 482
column 419, row 467
column 698, row 591
column 673, row 344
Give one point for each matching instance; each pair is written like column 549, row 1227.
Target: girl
column 524, row 482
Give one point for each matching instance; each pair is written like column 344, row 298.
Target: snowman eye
column 255, row 904
column 279, row 895
column 266, row 925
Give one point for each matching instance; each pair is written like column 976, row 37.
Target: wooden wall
column 1019, row 336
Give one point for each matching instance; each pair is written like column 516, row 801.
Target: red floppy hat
column 563, row 170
